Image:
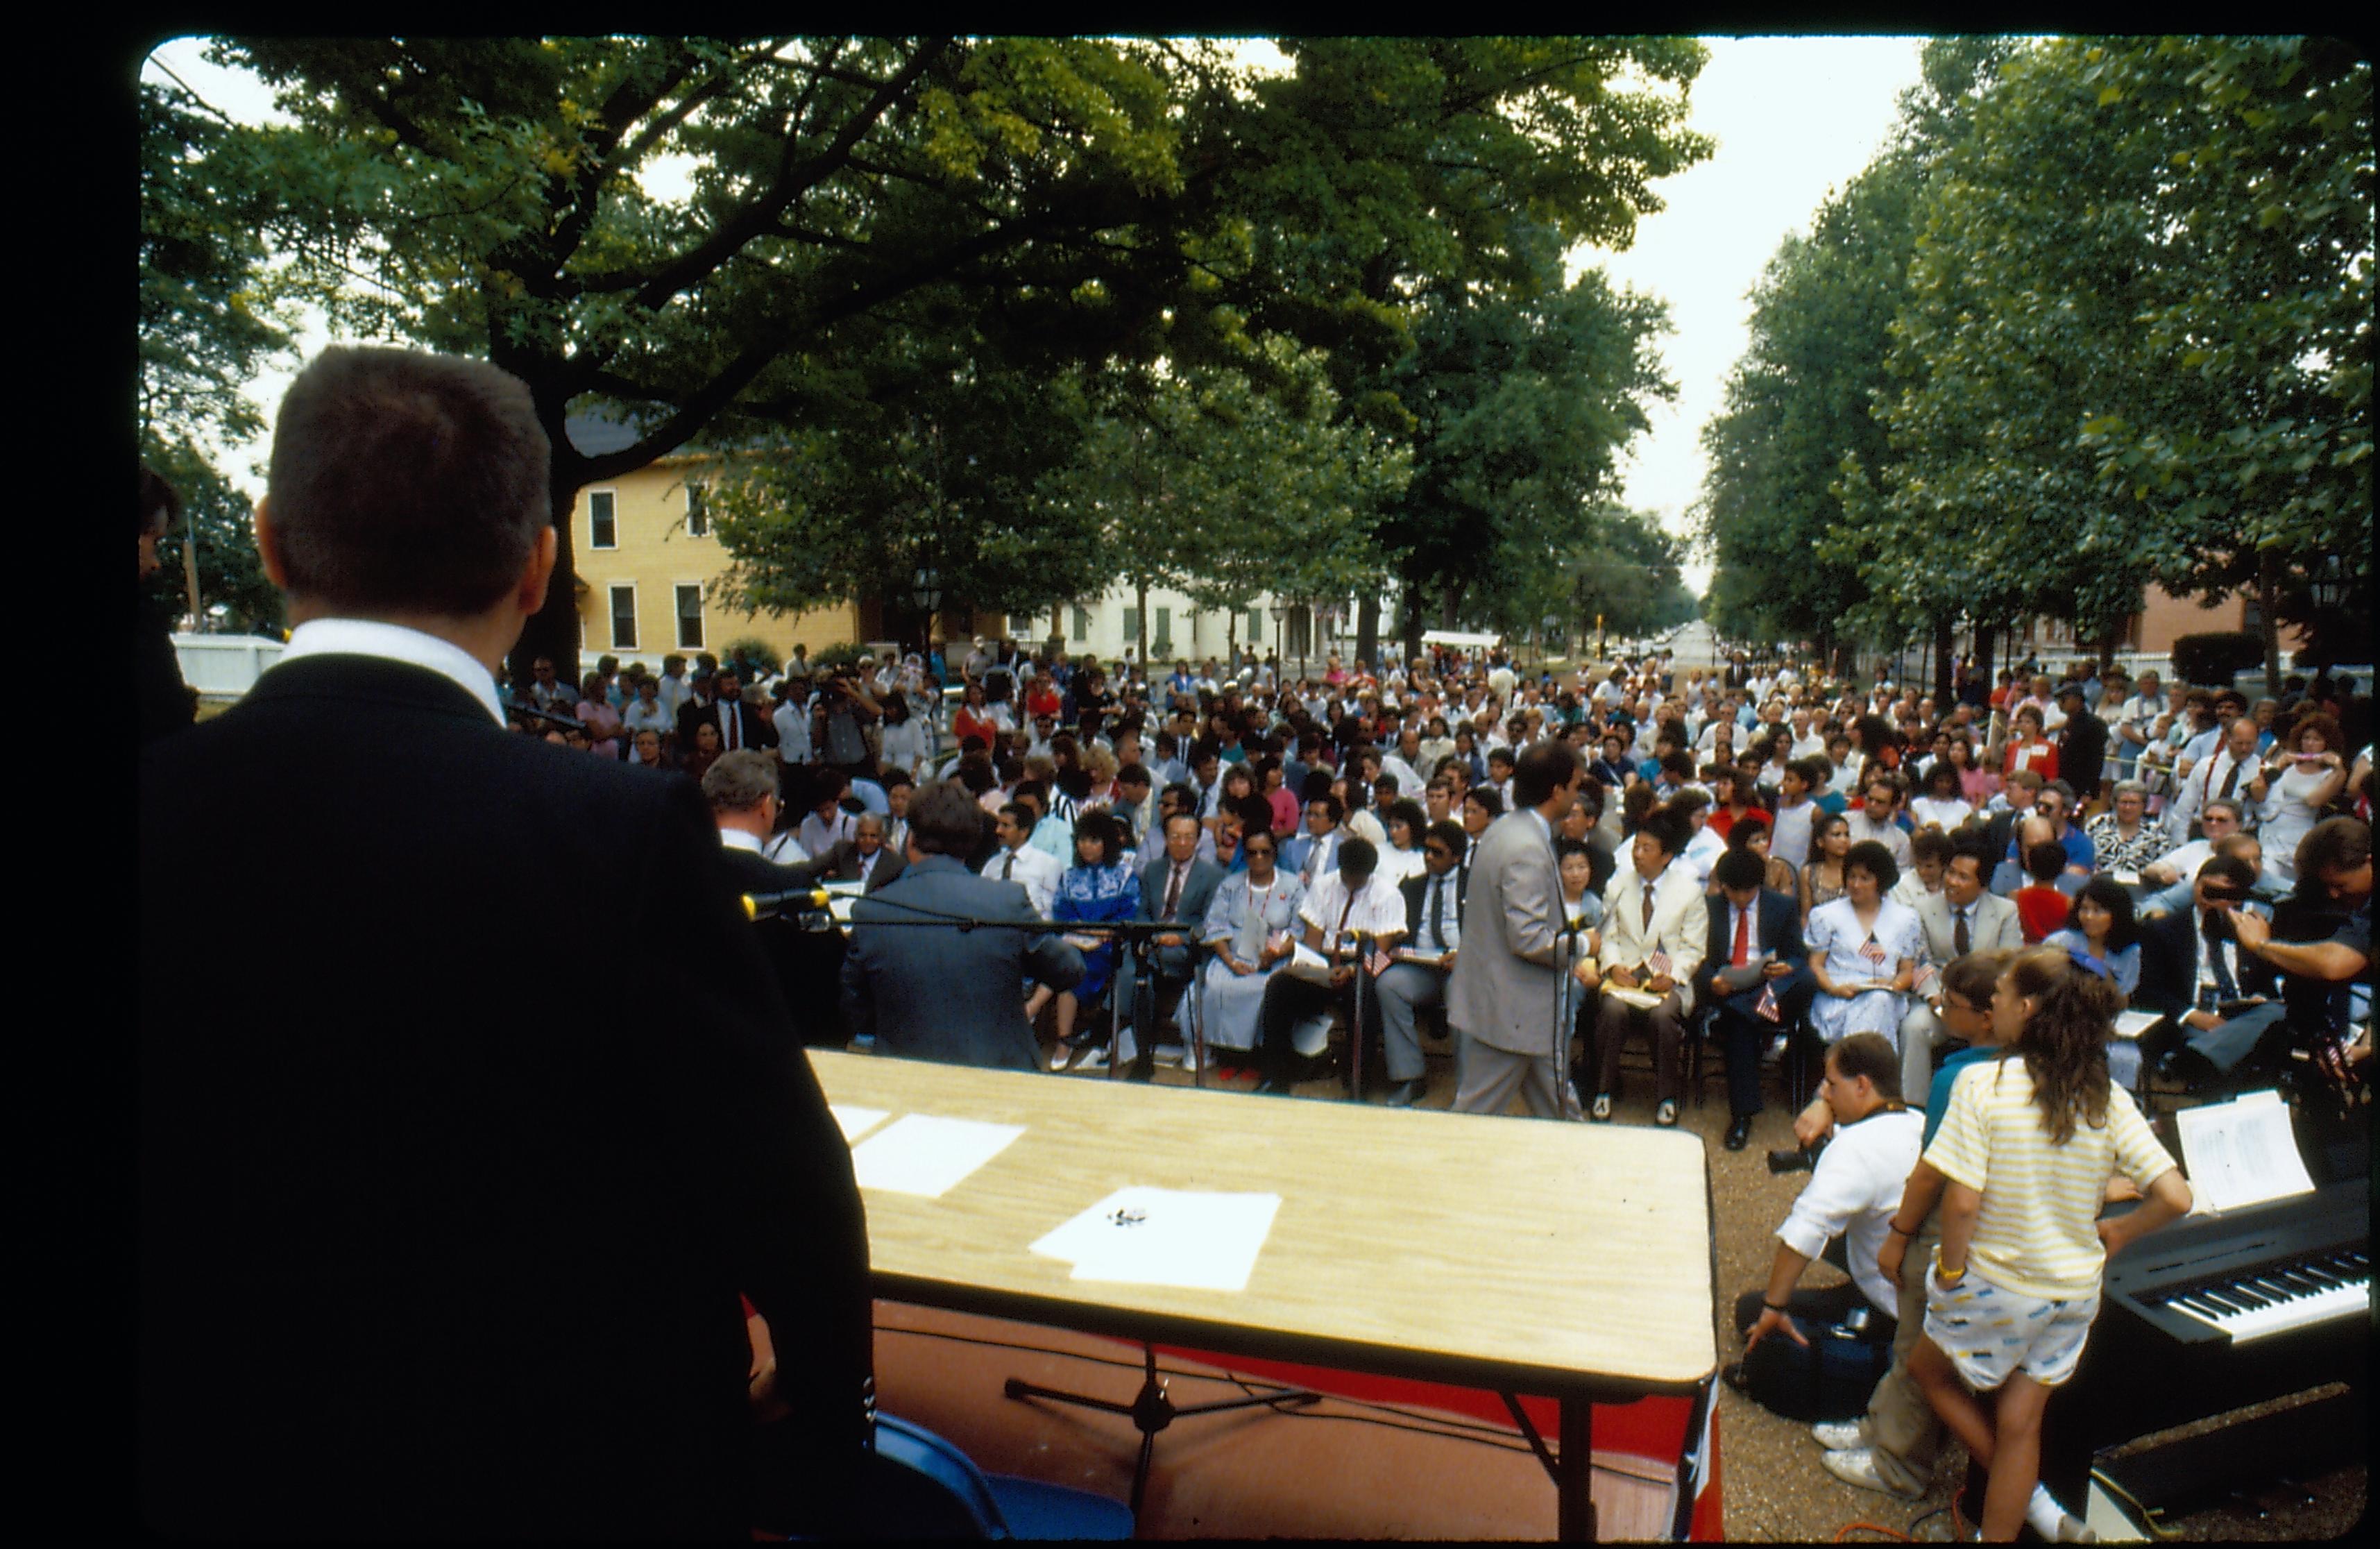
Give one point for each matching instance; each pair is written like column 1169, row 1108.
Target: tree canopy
column 1034, row 205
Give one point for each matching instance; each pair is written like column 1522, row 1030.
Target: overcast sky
column 1794, row 117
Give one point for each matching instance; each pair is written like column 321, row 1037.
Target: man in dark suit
column 1175, row 889
column 2082, row 746
column 862, row 858
column 1434, row 932
column 1755, row 979
column 2192, row 969
column 740, row 726
column 742, row 790
column 425, row 1251
column 954, row 993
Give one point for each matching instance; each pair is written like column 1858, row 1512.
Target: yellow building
column 649, row 566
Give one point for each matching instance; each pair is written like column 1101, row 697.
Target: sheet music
column 1166, row 1237
column 2241, row 1152
column 1306, row 963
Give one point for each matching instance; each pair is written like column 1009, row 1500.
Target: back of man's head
column 1542, row 769
column 1870, row 1055
column 739, row 781
column 407, row 482
column 946, row 821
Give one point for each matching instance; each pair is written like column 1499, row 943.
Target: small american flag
column 1873, row 950
column 1658, row 962
column 1767, row 1006
column 1378, row 963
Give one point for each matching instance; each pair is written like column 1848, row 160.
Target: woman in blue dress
column 1864, row 950
column 1100, row 888
column 2104, row 938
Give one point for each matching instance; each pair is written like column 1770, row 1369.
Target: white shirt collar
column 394, row 642
column 736, row 838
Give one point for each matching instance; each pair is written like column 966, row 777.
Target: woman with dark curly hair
column 2027, row 1144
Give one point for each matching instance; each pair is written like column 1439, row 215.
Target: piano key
column 2248, row 1323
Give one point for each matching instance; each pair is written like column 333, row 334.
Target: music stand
column 1151, row 1410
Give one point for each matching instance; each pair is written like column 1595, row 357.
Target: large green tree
column 207, row 326
column 1067, row 200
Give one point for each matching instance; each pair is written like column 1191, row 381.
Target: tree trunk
column 1986, row 639
column 1409, row 604
column 1942, row 648
column 552, row 630
column 1367, row 630
column 1449, row 600
column 1140, row 623
column 2268, row 603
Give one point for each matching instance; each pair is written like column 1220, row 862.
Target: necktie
column 1437, row 913
column 1743, row 937
column 1173, row 891
column 728, row 726
column 2225, row 989
column 1348, row 910
column 1962, row 940
column 1647, row 888
column 2230, row 781
column 1008, row 867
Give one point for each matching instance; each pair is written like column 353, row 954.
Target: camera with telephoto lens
column 1795, row 1159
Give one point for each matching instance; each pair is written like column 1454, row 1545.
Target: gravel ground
column 1774, row 1490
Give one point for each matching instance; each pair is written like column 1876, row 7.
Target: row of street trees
column 1030, row 312
column 2100, row 315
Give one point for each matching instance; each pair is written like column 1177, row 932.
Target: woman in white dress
column 1945, row 805
column 1251, row 925
column 2313, row 774
column 1864, row 950
column 1402, row 857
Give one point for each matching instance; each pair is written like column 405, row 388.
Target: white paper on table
column 856, row 1121
column 1640, row 999
column 1166, row 1237
column 2241, row 1152
column 926, row 1155
column 2131, row 1024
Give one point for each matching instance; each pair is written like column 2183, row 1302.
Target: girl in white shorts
column 2026, row 1146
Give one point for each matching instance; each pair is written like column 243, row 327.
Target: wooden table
column 1568, row 1261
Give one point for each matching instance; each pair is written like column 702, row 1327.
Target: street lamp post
column 925, row 596
column 1280, row 611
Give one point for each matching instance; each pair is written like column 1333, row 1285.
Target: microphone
column 767, row 906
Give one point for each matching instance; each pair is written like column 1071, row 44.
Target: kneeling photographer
column 1812, row 1355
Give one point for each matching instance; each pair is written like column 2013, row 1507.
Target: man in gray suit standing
column 947, row 992
column 1501, row 999
column 1960, row 919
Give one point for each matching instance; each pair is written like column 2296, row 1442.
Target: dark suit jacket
column 1778, row 929
column 1416, row 889
column 841, row 863
column 951, row 995
column 2082, row 754
column 1190, row 910
column 437, row 1238
column 758, row 732
column 2169, row 966
column 808, row 964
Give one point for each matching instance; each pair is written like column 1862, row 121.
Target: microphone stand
column 1565, row 1011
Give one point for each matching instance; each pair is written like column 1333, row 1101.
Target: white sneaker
column 2053, row 1521
column 1173, row 1056
column 1856, row 1465
column 1836, row 1435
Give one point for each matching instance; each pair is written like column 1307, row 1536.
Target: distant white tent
column 1460, row 640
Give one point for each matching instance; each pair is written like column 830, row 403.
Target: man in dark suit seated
column 2220, row 1002
column 1175, row 889
column 1755, row 980
column 420, row 1257
column 1434, row 932
column 740, row 726
column 952, row 991
column 742, row 790
column 862, row 858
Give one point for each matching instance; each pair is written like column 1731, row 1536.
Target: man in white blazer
column 1501, row 999
column 1655, row 928
column 1964, row 917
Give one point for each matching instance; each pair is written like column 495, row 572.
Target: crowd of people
column 1093, row 861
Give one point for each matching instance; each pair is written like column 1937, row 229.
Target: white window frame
column 694, row 510
column 635, row 631
column 678, row 613
column 613, row 496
